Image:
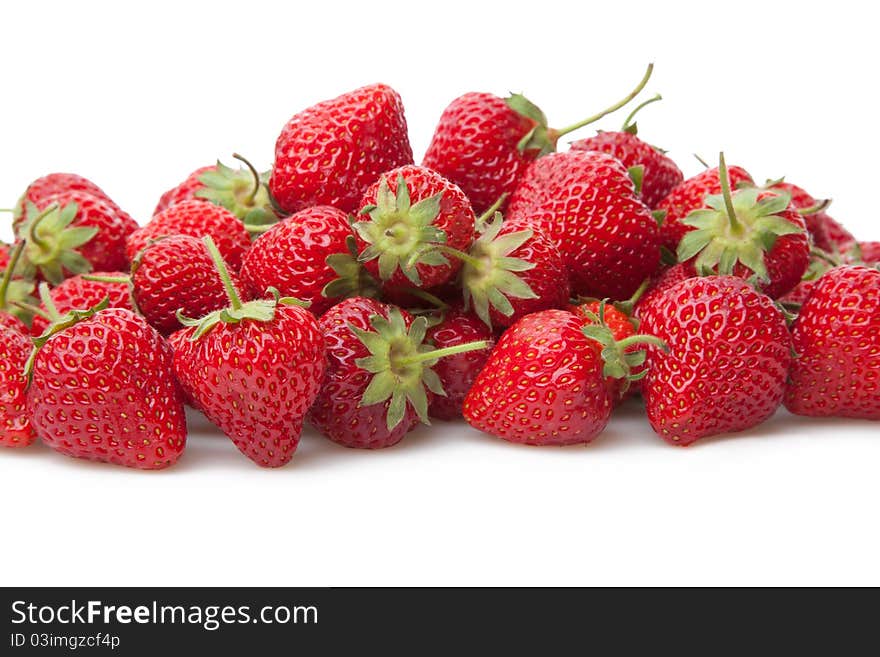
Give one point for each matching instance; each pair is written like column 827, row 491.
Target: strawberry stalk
column 628, row 124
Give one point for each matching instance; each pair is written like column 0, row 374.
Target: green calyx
column 258, row 310
column 618, row 361
column 243, row 191
column 489, row 274
column 400, row 234
column 52, row 243
column 15, row 295
column 354, row 280
column 400, row 362
column 542, row 138
column 57, row 323
column 737, row 228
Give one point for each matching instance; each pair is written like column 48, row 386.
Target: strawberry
column 458, row 372
column 663, row 282
column 74, row 232
column 484, row 143
column 729, row 353
column 331, row 152
column 547, row 380
column 253, row 369
column 867, row 252
column 4, row 255
column 837, row 341
column 691, row 195
column 196, row 219
column 242, row 191
column 176, row 275
column 827, row 234
column 314, row 246
column 585, row 202
column 655, row 172
column 511, row 270
column 43, row 190
column 15, row 294
column 401, row 234
column 380, row 378
column 102, row 389
column 15, row 426
column 748, row 233
column 79, row 292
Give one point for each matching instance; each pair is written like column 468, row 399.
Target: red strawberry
column 839, row 238
column 663, row 282
column 242, row 191
column 729, row 353
column 484, row 143
column 253, row 369
column 748, row 233
column 43, row 190
column 379, row 379
column 401, row 232
column 458, row 372
column 827, row 234
column 511, row 270
column 868, row 252
column 313, row 246
column 657, row 174
column 586, row 204
column 196, row 219
column 4, row 255
column 103, row 390
column 14, row 290
column 74, row 232
column 546, row 381
column 15, row 426
column 837, row 342
column 691, row 195
column 78, row 293
column 330, row 153
column 176, row 275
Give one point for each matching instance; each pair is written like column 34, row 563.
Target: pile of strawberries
column 526, row 289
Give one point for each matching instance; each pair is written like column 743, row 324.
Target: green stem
column 442, row 353
column 461, row 255
column 49, row 303
column 820, row 206
column 725, row 191
column 107, row 279
column 627, row 306
column 220, row 266
column 435, row 301
column 9, row 210
column 641, row 339
column 14, row 256
column 635, row 92
column 32, row 229
column 627, row 124
column 816, row 252
column 701, row 160
column 257, row 182
column 31, row 309
column 488, row 214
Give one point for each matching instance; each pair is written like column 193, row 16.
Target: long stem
column 820, row 206
column 10, row 270
column 106, row 279
column 635, row 92
column 627, row 124
column 461, row 255
column 490, row 212
column 222, row 270
column 49, row 303
column 32, row 235
column 442, row 353
column 250, row 199
column 725, row 191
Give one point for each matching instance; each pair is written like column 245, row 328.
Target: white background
column 136, row 96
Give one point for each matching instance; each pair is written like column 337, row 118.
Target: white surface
column 135, row 97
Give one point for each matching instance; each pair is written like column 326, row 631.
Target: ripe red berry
column 15, row 426
column 80, row 293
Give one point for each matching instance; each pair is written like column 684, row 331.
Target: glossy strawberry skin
column 196, row 219
column 475, row 146
column 542, row 384
column 41, row 191
column 870, row 252
column 336, row 412
column 691, row 195
column 255, row 380
column 185, row 191
column 14, row 323
column 77, row 293
column 661, row 175
column 729, row 354
column 331, row 152
column 456, row 219
column 15, row 426
column 103, row 390
column 302, row 242
column 837, row 341
column 106, row 250
column 548, row 279
column 586, row 204
column 4, row 256
column 177, row 273
column 665, row 280
column 458, row 372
